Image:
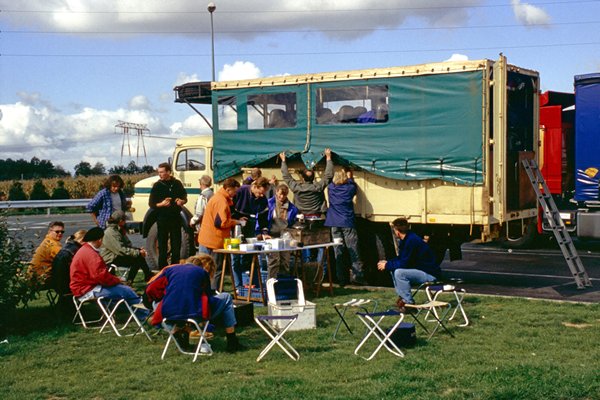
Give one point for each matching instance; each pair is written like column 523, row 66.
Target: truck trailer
column 439, row 144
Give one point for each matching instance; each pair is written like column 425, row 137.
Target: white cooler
column 307, row 316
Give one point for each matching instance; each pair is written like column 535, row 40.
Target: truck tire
column 152, row 247
column 516, row 240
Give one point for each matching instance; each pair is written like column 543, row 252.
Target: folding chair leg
column 277, row 335
column 360, row 303
column 171, row 331
column 374, row 329
column 79, row 314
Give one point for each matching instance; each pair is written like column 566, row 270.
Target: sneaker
column 205, row 348
column 195, row 336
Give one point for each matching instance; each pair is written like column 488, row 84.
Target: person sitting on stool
column 415, row 263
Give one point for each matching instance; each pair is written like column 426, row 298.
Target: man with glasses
column 41, row 264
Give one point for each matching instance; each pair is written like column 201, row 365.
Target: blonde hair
column 340, row 177
column 205, row 261
column 78, row 236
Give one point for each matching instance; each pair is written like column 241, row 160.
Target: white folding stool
column 373, row 323
column 171, row 327
column 434, row 291
column 354, row 303
column 276, row 335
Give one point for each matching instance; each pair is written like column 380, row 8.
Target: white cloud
column 528, row 14
column 39, row 130
column 239, row 70
column 458, row 57
column 182, row 78
column 240, row 20
column 139, row 103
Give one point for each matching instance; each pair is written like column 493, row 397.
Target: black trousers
column 168, row 229
column 134, row 264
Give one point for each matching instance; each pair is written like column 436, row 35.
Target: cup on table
column 338, row 240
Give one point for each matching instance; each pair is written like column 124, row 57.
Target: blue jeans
column 221, row 306
column 123, row 292
column 350, row 239
column 404, row 277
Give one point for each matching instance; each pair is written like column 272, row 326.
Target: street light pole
column 211, row 9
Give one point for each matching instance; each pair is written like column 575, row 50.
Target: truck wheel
column 516, row 239
column 152, row 247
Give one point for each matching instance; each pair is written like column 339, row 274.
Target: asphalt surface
column 485, row 269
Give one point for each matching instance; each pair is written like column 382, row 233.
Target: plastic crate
column 246, row 278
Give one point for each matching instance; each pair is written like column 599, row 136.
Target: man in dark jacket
column 167, row 196
column 340, row 217
column 415, row 263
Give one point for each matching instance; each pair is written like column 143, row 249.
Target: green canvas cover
column 434, row 131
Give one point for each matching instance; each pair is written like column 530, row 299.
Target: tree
column 84, row 168
column 60, row 192
column 39, row 192
column 148, row 169
column 16, row 192
column 99, row 169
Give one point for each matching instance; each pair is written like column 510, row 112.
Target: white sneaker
column 205, row 348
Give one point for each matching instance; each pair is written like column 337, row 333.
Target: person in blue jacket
column 108, row 200
column 340, row 217
column 415, row 263
column 282, row 215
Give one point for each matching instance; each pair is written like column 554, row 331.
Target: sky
column 71, row 70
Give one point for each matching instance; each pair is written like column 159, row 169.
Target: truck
column 570, row 155
column 439, row 144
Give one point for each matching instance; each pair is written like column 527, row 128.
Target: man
column 256, row 173
column 108, row 200
column 167, row 196
column 117, row 249
column 282, row 215
column 206, row 193
column 217, row 223
column 309, row 195
column 41, row 264
column 90, row 276
column 184, row 291
column 340, row 217
column 415, row 263
column 250, row 204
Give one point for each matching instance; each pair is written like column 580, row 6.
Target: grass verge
column 514, row 349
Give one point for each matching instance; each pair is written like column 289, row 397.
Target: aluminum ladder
column 556, row 224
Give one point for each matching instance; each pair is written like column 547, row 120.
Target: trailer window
column 272, row 110
column 227, row 113
column 191, row 160
column 366, row 104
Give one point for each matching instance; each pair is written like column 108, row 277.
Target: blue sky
column 71, row 69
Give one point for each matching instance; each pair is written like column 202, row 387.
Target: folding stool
column 276, row 335
column 78, row 302
column 438, row 310
column 172, row 326
column 358, row 303
column 373, row 323
column 434, row 291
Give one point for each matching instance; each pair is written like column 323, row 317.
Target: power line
column 540, row 25
column 312, row 11
column 350, row 52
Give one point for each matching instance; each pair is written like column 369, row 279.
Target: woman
column 108, row 200
column 62, row 262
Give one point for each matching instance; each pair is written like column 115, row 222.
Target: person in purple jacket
column 415, row 263
column 340, row 217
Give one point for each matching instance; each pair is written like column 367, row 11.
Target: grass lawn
column 513, row 349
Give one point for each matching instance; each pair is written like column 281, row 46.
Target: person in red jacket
column 90, row 276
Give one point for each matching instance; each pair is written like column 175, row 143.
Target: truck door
column 189, row 165
column 515, row 116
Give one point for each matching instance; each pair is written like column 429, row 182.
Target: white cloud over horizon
column 33, row 127
column 528, row 14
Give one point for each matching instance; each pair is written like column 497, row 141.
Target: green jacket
column 115, row 244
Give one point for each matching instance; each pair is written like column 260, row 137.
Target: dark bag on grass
column 405, row 335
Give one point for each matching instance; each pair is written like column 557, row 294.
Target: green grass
column 514, row 349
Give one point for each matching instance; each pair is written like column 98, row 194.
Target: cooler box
column 307, row 316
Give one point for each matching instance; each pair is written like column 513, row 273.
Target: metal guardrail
column 45, row 203
column 48, row 204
